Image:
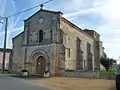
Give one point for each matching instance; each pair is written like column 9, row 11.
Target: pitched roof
column 35, row 14
column 88, row 30
column 18, row 35
column 76, row 27
column 45, row 11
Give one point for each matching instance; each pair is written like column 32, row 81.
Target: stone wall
column 18, row 61
column 47, row 49
column 97, row 47
column 89, row 74
column 61, row 58
column 71, row 34
column 48, row 22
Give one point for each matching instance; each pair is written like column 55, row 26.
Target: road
column 10, row 83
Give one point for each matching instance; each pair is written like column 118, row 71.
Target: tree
column 107, row 62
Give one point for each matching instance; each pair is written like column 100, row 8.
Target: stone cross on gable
column 41, row 6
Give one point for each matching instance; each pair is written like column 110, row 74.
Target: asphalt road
column 10, row 83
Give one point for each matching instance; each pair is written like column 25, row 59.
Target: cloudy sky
column 100, row 15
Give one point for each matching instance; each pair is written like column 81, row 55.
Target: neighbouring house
column 52, row 43
column 7, row 58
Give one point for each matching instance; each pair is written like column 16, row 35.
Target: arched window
column 40, row 36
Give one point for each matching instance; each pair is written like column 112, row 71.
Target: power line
column 23, row 11
column 47, row 1
column 29, row 9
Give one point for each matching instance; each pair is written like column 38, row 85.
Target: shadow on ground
column 28, row 77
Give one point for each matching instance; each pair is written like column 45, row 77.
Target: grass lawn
column 110, row 73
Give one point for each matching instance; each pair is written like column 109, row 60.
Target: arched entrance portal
column 40, row 65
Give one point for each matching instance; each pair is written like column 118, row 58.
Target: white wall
column 6, row 60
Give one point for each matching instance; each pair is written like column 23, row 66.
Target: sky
column 102, row 16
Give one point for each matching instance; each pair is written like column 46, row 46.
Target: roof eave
column 18, row 35
column 75, row 26
column 45, row 11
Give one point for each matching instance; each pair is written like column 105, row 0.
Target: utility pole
column 4, row 49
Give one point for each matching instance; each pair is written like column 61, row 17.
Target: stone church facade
column 51, row 43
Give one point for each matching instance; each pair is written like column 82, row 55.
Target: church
column 52, row 43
